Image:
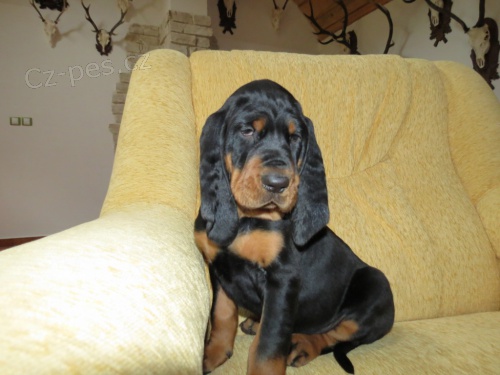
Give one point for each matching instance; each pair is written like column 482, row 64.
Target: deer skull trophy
column 104, row 43
column 227, row 15
column 49, row 26
column 349, row 39
column 440, row 21
column 483, row 39
column 277, row 13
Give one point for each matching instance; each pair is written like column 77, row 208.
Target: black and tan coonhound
column 262, row 229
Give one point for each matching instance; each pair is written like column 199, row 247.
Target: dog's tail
column 340, row 351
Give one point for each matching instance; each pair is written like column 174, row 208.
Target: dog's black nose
column 275, row 183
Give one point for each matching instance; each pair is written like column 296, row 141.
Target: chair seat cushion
column 466, row 344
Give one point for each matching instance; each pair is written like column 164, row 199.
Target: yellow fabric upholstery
column 411, row 150
column 157, row 152
column 123, row 294
column 429, row 346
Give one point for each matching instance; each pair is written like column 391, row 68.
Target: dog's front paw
column 303, row 351
column 215, row 355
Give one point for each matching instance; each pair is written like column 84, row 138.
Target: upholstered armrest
column 124, row 294
column 474, row 135
column 157, row 154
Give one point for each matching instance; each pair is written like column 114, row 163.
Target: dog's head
column 259, row 157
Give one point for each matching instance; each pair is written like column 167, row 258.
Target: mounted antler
column 433, row 4
column 49, row 26
column 483, row 39
column 434, row 14
column 277, row 7
column 349, row 39
column 440, row 21
column 387, row 15
column 104, row 43
column 227, row 15
column 479, row 34
column 341, row 38
column 277, row 13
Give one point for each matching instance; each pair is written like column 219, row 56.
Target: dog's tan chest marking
column 259, row 246
column 208, row 248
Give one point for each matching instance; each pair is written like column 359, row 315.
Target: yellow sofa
column 412, row 155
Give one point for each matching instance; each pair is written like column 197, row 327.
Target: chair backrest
column 395, row 196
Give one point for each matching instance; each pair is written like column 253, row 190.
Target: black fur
column 314, row 282
column 218, row 208
column 218, row 138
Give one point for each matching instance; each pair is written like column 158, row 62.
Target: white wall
column 54, row 174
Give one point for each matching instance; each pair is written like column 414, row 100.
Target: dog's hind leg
column 369, row 302
column 307, row 347
column 368, row 314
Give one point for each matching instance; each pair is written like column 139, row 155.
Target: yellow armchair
column 412, row 156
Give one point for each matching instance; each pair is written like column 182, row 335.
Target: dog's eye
column 295, row 138
column 247, row 132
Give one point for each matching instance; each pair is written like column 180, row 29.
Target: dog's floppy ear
column 311, row 212
column 218, row 207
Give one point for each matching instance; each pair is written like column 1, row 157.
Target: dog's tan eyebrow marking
column 292, row 128
column 259, row 124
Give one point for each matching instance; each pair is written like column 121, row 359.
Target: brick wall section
column 140, row 39
column 185, row 32
column 180, row 31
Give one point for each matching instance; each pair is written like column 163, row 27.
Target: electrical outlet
column 15, row 121
column 27, row 121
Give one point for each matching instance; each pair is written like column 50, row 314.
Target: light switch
column 15, row 121
column 27, row 121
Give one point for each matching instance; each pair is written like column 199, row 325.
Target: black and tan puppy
column 262, row 229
